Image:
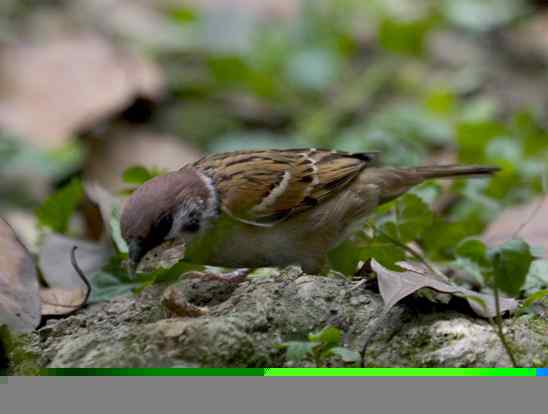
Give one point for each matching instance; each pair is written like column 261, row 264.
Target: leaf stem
column 498, row 324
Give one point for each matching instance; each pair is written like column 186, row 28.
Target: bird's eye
column 163, row 226
column 193, row 223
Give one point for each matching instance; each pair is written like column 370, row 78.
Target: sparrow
column 267, row 208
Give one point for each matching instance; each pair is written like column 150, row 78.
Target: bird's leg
column 234, row 277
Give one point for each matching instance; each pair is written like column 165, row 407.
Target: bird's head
column 175, row 207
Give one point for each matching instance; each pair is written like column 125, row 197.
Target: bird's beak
column 136, row 252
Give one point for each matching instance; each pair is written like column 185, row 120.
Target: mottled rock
column 246, row 328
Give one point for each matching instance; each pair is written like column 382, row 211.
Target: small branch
column 80, row 273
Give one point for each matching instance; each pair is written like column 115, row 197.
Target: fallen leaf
column 529, row 220
column 19, row 298
column 113, row 153
column 57, row 301
column 51, row 89
column 394, row 286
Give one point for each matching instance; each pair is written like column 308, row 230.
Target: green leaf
column 414, row 216
column 473, row 137
column 297, row 350
column 106, row 286
column 182, row 14
column 328, row 337
column 511, row 262
column 383, row 251
column 347, row 355
column 473, row 250
column 405, row 37
column 138, row 175
column 440, row 239
column 441, row 101
column 535, row 297
column 56, row 211
column 345, row 257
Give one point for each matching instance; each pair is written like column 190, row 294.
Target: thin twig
column 80, row 273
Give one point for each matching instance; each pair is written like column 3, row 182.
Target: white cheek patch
column 179, row 218
column 211, row 209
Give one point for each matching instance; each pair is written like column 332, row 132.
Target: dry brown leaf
column 111, row 155
column 528, row 222
column 57, row 301
column 394, row 286
column 51, row 89
column 19, row 298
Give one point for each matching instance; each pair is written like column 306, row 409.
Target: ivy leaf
column 440, row 239
column 473, row 137
column 383, row 251
column 345, row 257
column 328, row 337
column 297, row 350
column 473, row 250
column 56, row 211
column 535, row 297
column 511, row 262
column 414, row 218
column 405, row 37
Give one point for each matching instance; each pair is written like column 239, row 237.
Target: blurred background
column 89, row 88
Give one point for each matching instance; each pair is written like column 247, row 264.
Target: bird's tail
column 393, row 182
column 449, row 171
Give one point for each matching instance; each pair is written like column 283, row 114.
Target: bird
column 268, row 208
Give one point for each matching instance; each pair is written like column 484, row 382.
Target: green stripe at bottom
column 401, row 372
column 296, row 372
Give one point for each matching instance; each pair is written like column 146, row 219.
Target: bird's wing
column 265, row 187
